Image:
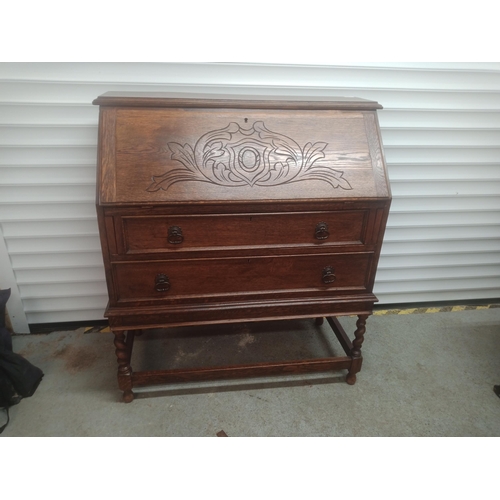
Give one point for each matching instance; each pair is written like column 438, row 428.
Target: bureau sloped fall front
column 218, row 210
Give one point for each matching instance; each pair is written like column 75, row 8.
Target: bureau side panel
column 108, row 246
column 106, row 165
column 374, row 138
column 380, row 217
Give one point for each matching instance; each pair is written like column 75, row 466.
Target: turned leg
column 319, row 321
column 123, row 355
column 356, row 349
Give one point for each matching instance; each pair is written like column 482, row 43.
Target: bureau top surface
column 200, row 100
column 159, row 149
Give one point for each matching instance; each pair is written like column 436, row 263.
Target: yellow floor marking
column 407, row 311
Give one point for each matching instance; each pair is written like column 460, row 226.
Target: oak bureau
column 233, row 209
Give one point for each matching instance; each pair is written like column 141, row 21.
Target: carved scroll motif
column 234, row 157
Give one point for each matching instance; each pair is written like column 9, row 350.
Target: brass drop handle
column 321, row 232
column 328, row 275
column 162, row 283
column 175, row 236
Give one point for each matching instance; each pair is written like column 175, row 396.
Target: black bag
column 18, row 377
column 8, row 398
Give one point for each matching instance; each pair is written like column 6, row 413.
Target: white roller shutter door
column 440, row 127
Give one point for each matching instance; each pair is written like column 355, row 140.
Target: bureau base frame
column 352, row 361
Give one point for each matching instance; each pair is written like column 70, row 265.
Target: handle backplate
column 328, row 275
column 175, row 236
column 162, row 283
column 321, row 231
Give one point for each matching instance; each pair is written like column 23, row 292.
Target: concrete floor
column 422, row 375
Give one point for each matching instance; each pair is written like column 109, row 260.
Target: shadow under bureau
column 233, row 209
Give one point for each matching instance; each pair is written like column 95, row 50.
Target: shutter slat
column 48, row 155
column 464, row 187
column 379, row 75
column 41, row 174
column 455, row 232
column 433, row 154
column 443, row 172
column 61, row 302
column 74, row 260
column 435, row 285
column 442, row 273
column 80, row 288
column 47, row 135
column 436, row 218
column 29, row 229
column 82, row 93
column 48, row 114
column 431, row 119
column 438, row 260
column 35, row 211
column 403, row 247
column 421, row 203
column 61, row 244
column 443, row 138
column 37, row 193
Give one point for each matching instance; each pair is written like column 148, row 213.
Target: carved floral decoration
column 234, row 156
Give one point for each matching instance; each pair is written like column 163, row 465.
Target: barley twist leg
column 356, row 348
column 123, row 354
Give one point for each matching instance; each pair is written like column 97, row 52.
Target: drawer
column 157, row 234
column 165, row 280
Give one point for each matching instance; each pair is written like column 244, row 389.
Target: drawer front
column 173, row 233
column 165, row 280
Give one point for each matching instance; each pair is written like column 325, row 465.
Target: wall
column 440, row 126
